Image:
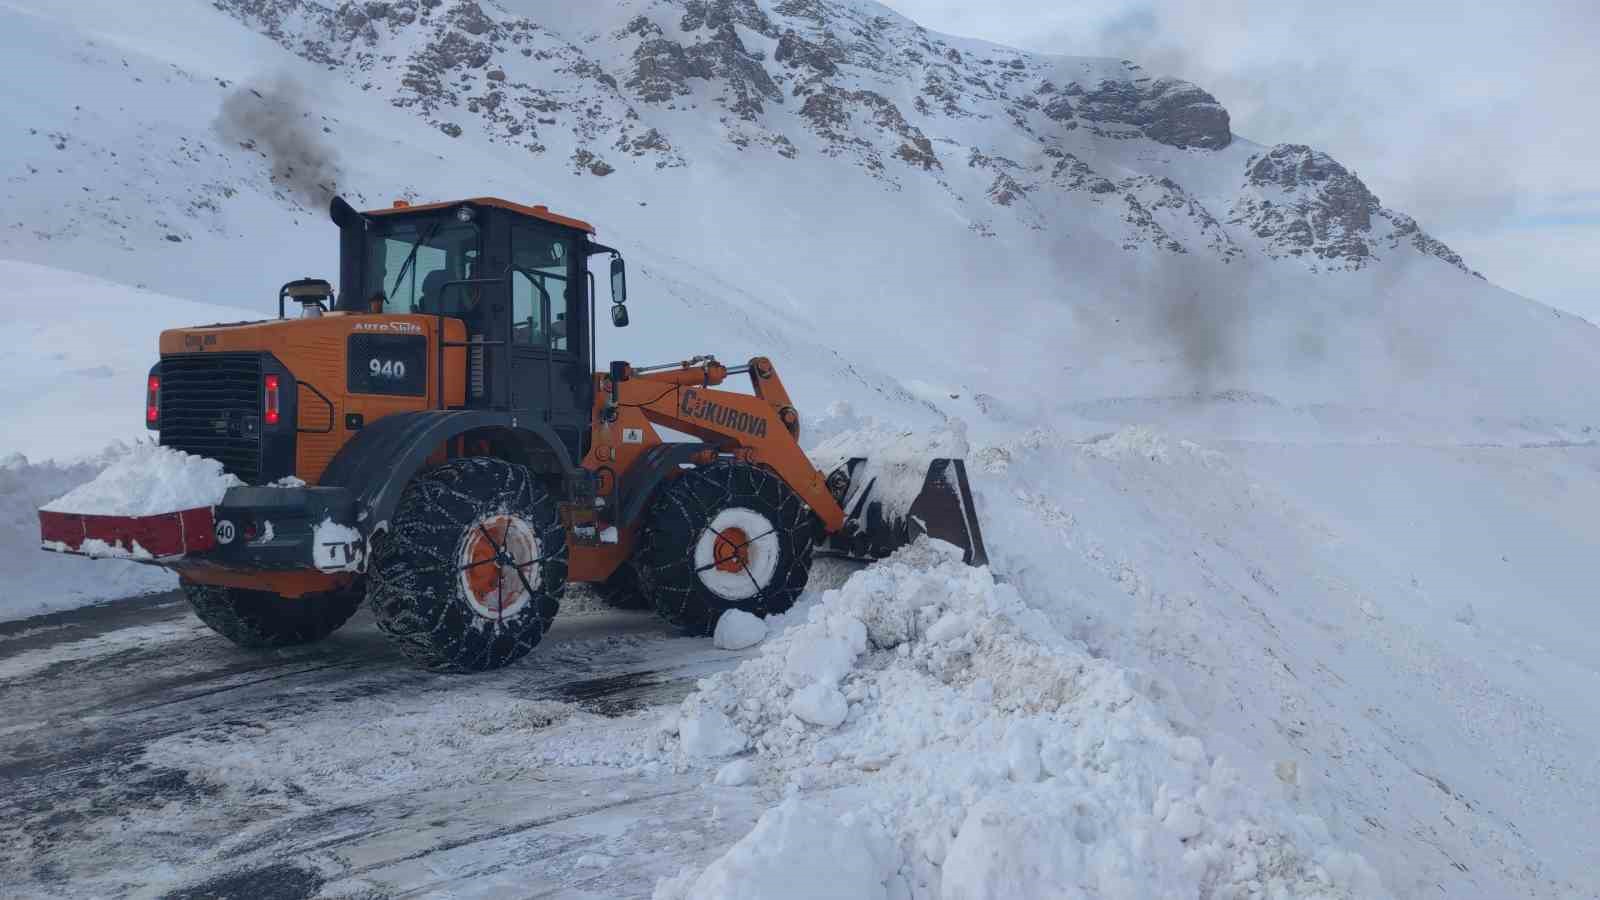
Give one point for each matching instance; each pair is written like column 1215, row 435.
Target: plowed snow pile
column 937, row 737
column 149, row 480
column 36, row 582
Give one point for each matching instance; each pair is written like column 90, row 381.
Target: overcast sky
column 1482, row 120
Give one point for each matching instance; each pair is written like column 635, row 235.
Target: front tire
column 466, row 578
column 261, row 620
column 725, row 536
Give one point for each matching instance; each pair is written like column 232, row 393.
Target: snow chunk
column 821, row 659
column 149, row 480
column 736, row 773
column 799, row 851
column 820, row 704
column 711, row 734
column 738, row 629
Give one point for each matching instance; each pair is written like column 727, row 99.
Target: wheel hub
column 732, row 550
column 498, row 563
column 736, row 556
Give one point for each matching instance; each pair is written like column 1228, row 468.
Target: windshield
column 449, row 253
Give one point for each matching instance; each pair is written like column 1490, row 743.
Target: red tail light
column 271, row 410
column 152, row 402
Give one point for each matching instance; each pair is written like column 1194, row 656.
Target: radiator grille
column 211, row 406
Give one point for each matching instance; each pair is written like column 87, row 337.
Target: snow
column 997, row 759
column 81, row 348
column 819, row 703
column 709, row 734
column 149, row 480
column 798, row 852
column 37, row 582
column 736, row 773
column 737, row 630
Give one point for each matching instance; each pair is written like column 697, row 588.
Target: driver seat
column 432, row 292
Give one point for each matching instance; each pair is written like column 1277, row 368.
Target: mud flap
column 884, row 512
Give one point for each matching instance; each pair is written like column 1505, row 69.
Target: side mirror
column 619, row 315
column 619, row 282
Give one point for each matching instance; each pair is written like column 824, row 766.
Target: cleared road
column 141, row 755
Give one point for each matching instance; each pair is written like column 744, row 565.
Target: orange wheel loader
column 435, row 440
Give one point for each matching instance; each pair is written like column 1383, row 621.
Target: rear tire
column 262, row 620
column 443, row 581
column 725, row 536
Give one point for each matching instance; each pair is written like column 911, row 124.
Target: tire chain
column 261, row 620
column 682, row 511
column 414, row 583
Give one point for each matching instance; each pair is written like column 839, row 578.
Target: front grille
column 211, row 406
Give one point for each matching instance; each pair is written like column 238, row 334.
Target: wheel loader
column 435, row 439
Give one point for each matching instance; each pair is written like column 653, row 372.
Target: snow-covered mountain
column 1237, row 427
column 797, row 167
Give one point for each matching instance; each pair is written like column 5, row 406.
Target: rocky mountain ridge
column 1003, row 133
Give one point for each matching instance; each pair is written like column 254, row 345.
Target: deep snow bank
column 937, row 737
column 72, row 379
column 34, row 582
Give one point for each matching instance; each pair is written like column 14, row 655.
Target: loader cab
column 517, row 276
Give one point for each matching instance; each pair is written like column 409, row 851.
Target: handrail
column 439, row 332
column 324, row 397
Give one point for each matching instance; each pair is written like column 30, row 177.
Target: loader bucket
column 884, row 509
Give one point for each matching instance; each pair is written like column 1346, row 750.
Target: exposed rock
column 1006, row 190
column 661, row 70
column 662, row 67
column 1300, row 201
column 586, row 160
column 641, row 26
column 445, row 58
column 718, row 14
column 1059, row 109
column 1406, row 228
column 745, row 79
column 1168, row 110
column 795, row 51
column 829, row 114
column 469, row 17
column 1074, row 174
column 1160, row 210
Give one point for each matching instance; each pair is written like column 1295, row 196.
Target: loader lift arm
column 761, row 427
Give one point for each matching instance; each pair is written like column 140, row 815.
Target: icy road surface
column 143, row 755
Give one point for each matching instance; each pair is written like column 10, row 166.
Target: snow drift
column 938, row 737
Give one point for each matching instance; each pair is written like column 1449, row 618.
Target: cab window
column 540, row 289
column 445, row 252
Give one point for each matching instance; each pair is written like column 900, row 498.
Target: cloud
column 1468, row 117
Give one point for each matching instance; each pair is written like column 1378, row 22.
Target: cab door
column 547, row 333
